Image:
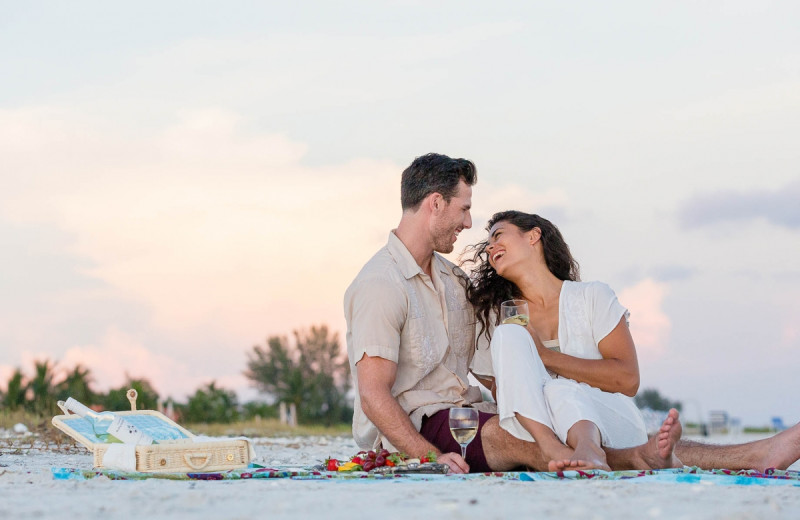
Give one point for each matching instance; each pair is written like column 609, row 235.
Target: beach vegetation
column 310, row 372
column 211, row 404
column 17, row 388
column 76, row 384
column 41, row 387
column 652, row 399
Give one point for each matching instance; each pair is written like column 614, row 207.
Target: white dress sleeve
column 482, row 359
column 605, row 310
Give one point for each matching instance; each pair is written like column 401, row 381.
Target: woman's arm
column 488, row 382
column 618, row 371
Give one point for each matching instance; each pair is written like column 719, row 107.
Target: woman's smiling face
column 507, row 246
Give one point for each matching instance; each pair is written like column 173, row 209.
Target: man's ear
column 435, row 202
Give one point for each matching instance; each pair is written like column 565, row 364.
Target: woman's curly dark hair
column 488, row 289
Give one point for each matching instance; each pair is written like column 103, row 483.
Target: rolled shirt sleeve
column 377, row 311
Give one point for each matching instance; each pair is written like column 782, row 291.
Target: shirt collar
column 405, row 261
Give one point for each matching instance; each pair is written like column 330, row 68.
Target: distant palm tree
column 14, row 397
column 77, row 384
column 42, row 387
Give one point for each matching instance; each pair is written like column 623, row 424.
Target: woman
column 577, row 330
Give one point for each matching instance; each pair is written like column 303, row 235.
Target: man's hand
column 376, row 377
column 454, row 460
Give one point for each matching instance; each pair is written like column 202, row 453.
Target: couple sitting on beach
column 417, row 326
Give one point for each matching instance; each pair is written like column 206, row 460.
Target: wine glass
column 514, row 311
column 463, row 426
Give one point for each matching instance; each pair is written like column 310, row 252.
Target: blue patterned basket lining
column 153, row 426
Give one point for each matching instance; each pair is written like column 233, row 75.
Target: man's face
column 453, row 217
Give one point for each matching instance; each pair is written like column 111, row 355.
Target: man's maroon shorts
column 436, row 429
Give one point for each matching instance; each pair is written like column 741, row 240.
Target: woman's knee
column 508, row 337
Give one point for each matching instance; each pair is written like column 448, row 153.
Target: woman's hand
column 544, row 352
column 618, row 371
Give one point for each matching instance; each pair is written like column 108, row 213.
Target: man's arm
column 376, row 376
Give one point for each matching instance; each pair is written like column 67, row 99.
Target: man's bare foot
column 659, row 451
column 782, row 449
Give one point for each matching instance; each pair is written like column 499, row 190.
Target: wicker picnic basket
column 177, row 450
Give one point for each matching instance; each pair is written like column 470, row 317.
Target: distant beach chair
column 777, row 424
column 718, row 422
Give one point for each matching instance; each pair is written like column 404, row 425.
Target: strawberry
column 358, row 460
column 331, row 464
column 395, row 459
column 429, row 457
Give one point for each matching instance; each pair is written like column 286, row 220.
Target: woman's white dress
column 588, row 312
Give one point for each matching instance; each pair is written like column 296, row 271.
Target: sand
column 28, row 491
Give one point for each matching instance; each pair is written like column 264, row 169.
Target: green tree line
column 310, row 372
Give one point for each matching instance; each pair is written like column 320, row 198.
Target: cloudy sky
column 181, row 180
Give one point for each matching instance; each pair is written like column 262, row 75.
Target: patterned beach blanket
column 691, row 475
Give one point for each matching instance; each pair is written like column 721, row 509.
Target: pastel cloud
column 650, row 325
column 221, row 232
column 780, row 207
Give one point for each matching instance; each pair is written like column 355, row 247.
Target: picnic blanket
column 771, row 477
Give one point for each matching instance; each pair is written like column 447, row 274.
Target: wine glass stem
column 464, row 452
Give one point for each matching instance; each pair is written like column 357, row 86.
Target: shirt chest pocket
column 426, row 344
column 461, row 331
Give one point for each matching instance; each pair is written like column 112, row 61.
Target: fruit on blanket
column 429, row 457
column 394, row 459
column 368, row 461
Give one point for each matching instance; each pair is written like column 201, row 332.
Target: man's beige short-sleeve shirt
column 423, row 323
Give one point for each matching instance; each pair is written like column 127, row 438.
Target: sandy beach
column 28, row 490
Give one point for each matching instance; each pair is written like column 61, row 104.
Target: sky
column 182, row 180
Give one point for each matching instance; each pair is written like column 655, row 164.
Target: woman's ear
column 536, row 235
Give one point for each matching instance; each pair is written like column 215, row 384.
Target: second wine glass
column 463, row 427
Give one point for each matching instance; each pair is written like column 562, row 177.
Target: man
column 410, row 340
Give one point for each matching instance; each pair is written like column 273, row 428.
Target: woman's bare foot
column 588, row 456
column 576, row 464
column 659, row 451
column 565, row 465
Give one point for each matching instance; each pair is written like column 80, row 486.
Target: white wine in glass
column 463, row 426
column 514, row 311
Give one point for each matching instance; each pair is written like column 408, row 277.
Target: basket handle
column 132, row 394
column 190, row 457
